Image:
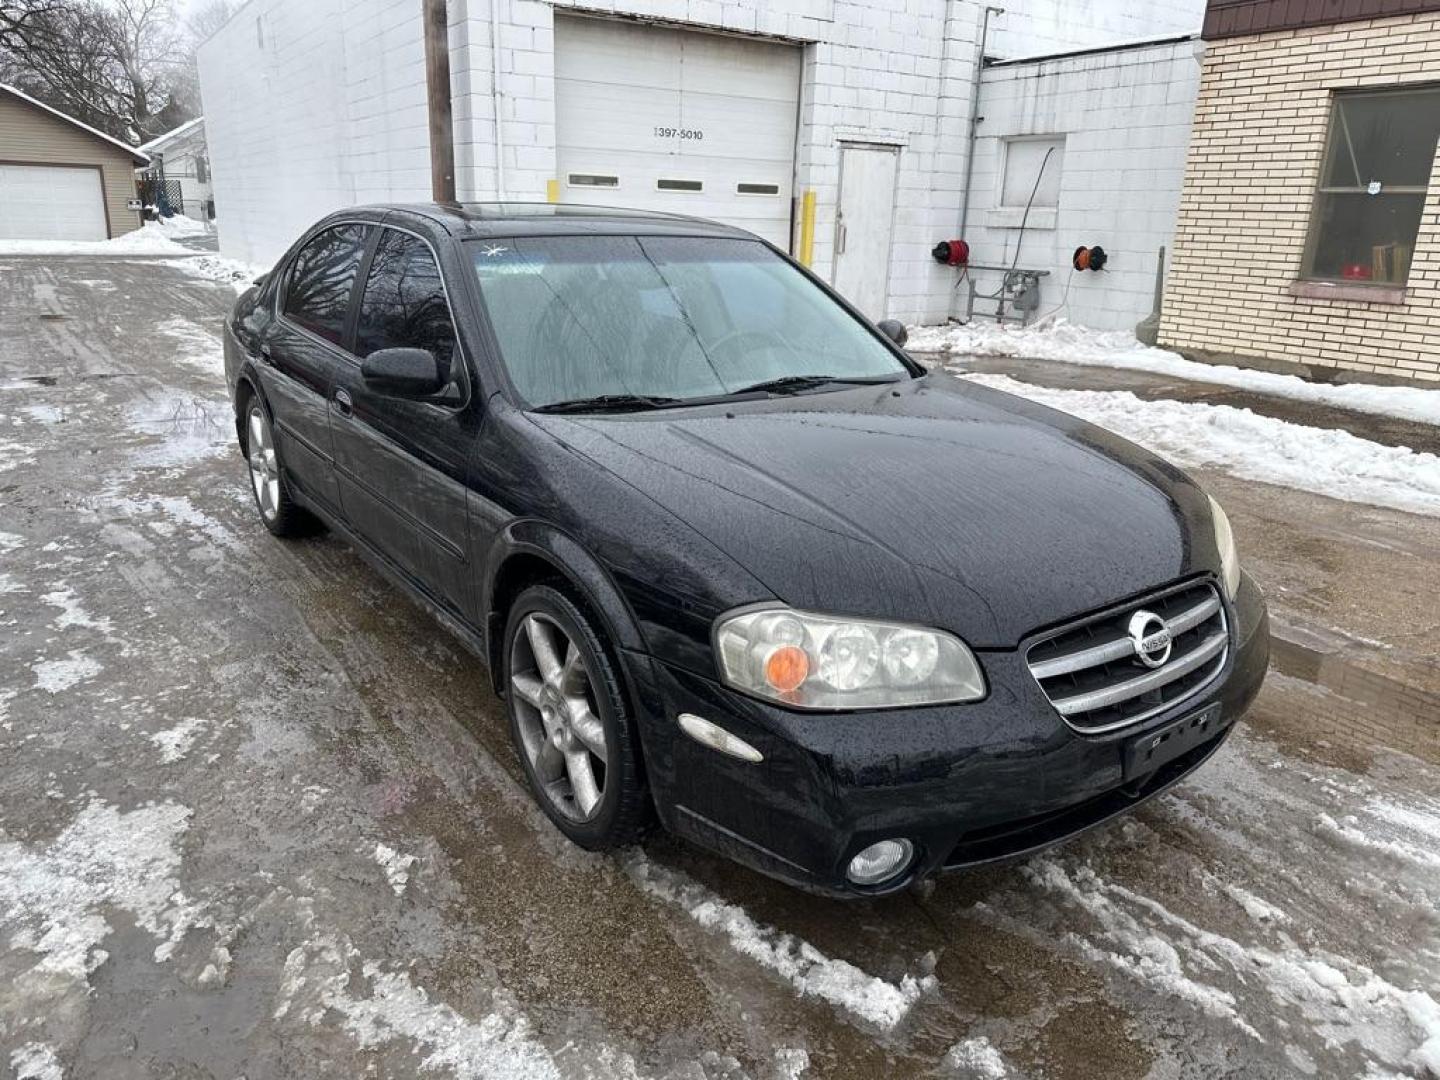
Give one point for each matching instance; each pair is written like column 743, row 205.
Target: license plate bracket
column 1146, row 753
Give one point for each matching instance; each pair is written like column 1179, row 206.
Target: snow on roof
column 172, row 134
column 138, row 155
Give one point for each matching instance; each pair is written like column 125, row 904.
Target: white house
column 838, row 130
column 182, row 156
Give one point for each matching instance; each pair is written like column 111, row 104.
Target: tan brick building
column 1309, row 227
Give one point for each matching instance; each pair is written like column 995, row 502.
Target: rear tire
column 571, row 723
column 278, row 511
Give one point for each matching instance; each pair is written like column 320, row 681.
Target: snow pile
column 1422, row 820
column 177, row 225
column 1262, row 911
column 1333, row 463
column 14, row 454
column 55, row 676
column 791, row 1064
column 73, row 613
column 977, row 1059
column 1348, row 831
column 222, row 269
column 199, row 347
column 317, row 978
column 152, row 238
column 1069, row 344
column 36, row 1061
column 175, row 742
column 53, row 899
column 396, row 867
column 1344, row 1002
column 806, row 968
column 1129, row 944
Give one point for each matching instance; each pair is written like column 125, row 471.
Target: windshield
column 673, row 318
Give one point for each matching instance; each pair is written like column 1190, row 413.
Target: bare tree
column 19, row 18
column 123, row 66
column 208, row 18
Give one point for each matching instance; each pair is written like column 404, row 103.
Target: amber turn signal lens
column 786, row 668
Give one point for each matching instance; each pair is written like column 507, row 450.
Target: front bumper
column 967, row 784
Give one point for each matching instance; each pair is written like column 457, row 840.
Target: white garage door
column 51, row 202
column 675, row 120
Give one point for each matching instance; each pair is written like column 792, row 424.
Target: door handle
column 840, row 240
column 343, row 405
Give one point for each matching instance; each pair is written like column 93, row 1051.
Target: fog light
column 879, row 862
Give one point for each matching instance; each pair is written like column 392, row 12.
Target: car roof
column 494, row 219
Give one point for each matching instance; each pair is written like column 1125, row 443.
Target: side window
column 404, row 303
column 317, row 294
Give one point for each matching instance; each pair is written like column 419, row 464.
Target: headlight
column 819, row 662
column 1225, row 544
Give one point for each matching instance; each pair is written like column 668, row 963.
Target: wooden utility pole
column 437, row 91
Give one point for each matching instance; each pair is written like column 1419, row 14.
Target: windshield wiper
column 609, row 403
column 789, row 384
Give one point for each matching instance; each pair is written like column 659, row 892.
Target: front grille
column 1093, row 677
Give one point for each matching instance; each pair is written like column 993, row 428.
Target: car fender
column 571, row 561
column 246, row 375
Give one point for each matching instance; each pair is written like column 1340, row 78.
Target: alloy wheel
column 264, row 466
column 553, row 696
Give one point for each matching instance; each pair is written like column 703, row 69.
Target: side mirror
column 895, row 330
column 407, row 373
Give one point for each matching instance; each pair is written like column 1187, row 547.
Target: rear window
column 677, row 317
column 322, row 278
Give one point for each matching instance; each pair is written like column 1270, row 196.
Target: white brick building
column 734, row 109
column 1118, row 121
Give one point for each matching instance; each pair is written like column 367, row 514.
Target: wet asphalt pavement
column 259, row 815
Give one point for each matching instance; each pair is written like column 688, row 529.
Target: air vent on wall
column 758, row 189
column 679, row 185
column 593, row 180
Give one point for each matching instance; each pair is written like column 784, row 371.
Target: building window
column 1028, row 161
column 1372, row 186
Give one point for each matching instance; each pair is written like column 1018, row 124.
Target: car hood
column 934, row 500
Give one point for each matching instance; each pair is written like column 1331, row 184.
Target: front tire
column 278, row 511
column 571, row 724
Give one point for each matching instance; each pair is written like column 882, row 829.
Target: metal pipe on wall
column 435, row 17
column 975, row 113
column 498, row 100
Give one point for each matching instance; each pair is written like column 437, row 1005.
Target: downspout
column 436, row 19
column 975, row 114
column 498, row 100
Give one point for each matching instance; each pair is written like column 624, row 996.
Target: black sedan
column 731, row 557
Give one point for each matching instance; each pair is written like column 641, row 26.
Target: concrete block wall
column 1041, row 27
column 311, row 107
column 1254, row 163
column 330, row 110
column 1125, row 117
column 897, row 73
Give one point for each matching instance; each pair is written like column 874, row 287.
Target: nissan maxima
column 734, row 560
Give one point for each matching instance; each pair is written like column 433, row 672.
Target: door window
column 322, row 277
column 404, row 304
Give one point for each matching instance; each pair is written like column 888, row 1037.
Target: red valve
column 951, row 252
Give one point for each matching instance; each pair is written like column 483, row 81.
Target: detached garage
column 59, row 178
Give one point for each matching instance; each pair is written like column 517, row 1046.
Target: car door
column 300, row 351
column 400, row 462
